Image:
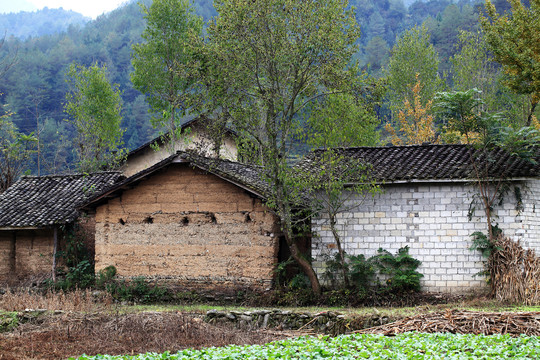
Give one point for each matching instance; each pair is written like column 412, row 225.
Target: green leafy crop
column 361, row 346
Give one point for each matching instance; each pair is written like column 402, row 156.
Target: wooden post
column 55, row 248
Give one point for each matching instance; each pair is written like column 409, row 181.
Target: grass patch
column 8, row 321
column 356, row 346
column 394, row 312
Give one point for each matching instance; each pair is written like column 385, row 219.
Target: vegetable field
column 364, row 346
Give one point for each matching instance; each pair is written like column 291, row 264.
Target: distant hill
column 47, row 21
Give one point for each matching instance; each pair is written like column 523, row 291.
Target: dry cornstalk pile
column 464, row 322
column 515, row 273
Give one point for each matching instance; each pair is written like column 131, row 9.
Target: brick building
column 32, row 213
column 191, row 222
column 425, row 203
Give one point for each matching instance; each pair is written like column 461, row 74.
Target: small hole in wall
column 247, row 218
column 149, row 220
column 185, row 221
column 213, row 219
column 121, row 221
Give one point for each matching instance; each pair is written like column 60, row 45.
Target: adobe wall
column 195, row 140
column 190, row 229
column 432, row 220
column 25, row 254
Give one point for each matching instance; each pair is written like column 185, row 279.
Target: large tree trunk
column 305, row 265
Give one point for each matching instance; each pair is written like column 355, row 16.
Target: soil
column 67, row 335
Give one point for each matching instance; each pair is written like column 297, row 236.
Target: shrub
column 137, row 290
column 400, row 269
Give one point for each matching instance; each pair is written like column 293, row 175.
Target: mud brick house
column 427, row 193
column 189, row 222
column 31, row 213
column 194, row 136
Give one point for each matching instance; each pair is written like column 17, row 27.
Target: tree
column 15, row 150
column 94, row 107
column 515, row 42
column 483, row 131
column 416, row 123
column 473, row 66
column 166, row 63
column 338, row 121
column 413, row 59
column 377, row 53
column 267, row 60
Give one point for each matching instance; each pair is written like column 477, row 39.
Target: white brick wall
column 430, row 218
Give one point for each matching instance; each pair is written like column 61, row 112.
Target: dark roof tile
column 430, row 162
column 47, row 200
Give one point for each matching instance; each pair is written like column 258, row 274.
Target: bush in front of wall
column 400, row 269
column 137, row 290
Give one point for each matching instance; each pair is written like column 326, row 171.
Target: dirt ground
column 67, row 335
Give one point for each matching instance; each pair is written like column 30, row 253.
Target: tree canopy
column 268, row 60
column 514, row 39
column 94, row 107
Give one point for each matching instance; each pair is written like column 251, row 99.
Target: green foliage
column 165, row 63
column 8, row 321
column 360, row 270
column 137, row 290
column 105, row 276
column 281, row 272
column 482, row 243
column 514, row 39
column 299, row 281
column 78, row 276
column 409, row 345
column 42, row 22
column 79, row 269
column 413, row 59
column 400, row 269
column 265, row 61
column 15, row 150
column 94, row 107
column 473, row 66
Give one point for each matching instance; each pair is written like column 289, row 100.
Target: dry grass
column 464, row 322
column 77, row 300
column 72, row 334
column 515, row 273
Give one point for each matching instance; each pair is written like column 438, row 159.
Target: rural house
column 32, row 212
column 194, row 135
column 189, row 221
column 425, row 203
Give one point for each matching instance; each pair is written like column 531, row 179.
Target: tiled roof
column 430, row 162
column 243, row 175
column 250, row 176
column 47, row 200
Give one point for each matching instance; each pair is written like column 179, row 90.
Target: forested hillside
column 39, row 23
column 34, row 87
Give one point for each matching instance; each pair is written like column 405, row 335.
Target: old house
column 425, row 205
column 191, row 222
column 32, row 213
column 194, row 135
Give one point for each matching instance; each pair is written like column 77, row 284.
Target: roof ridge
column 69, row 175
column 391, row 147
